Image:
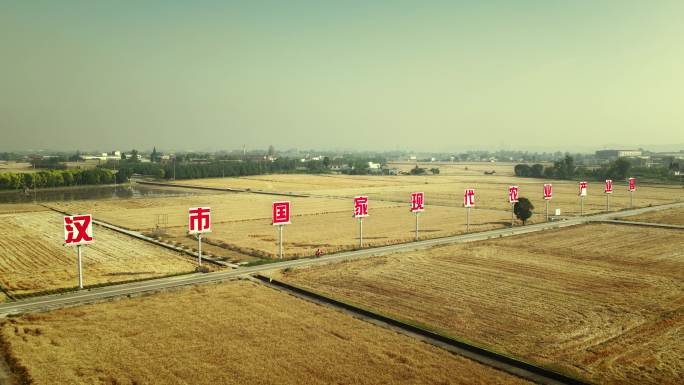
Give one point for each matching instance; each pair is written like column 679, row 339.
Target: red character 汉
column 78, row 229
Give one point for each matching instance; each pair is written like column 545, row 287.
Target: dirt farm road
column 49, row 302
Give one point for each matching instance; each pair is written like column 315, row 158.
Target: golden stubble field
column 231, row 333
column 671, row 217
column 241, row 221
column 602, row 301
column 447, row 190
column 32, row 257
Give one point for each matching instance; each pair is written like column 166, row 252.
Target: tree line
column 212, row 169
column 55, row 178
column 566, row 169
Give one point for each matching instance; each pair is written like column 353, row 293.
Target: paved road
column 99, row 294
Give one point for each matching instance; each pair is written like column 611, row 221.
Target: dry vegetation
column 232, row 333
column 603, row 301
column 333, row 232
column 12, row 166
column 241, row 221
column 141, row 213
column 672, row 217
column 16, row 208
column 447, row 190
column 32, row 257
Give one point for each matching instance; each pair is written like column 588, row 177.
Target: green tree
column 434, row 170
column 523, row 209
column 621, row 169
column 537, row 171
column 522, row 170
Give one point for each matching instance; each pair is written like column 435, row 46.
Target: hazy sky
column 346, row 74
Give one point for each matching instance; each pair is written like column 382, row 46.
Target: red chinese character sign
column 632, row 184
column 417, row 202
column 281, row 217
column 281, row 213
column 78, row 230
column 582, row 194
column 583, row 189
column 360, row 206
column 548, row 194
column 512, row 194
column 469, row 197
column 199, row 220
column 360, row 212
column 468, row 202
column 512, row 199
column 609, row 187
column 417, row 206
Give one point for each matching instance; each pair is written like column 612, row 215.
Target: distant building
column 616, row 154
column 103, row 157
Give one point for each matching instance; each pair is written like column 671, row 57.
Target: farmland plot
column 32, row 257
column 333, row 232
column 264, row 337
column 141, row 213
column 447, row 190
column 15, row 208
column 671, row 217
column 241, row 221
column 601, row 301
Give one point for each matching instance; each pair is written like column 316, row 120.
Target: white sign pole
column 361, row 232
column 199, row 249
column 631, row 199
column 467, row 219
column 417, row 213
column 280, row 241
column 582, row 205
column 512, row 214
column 607, row 202
column 80, row 267
column 547, row 210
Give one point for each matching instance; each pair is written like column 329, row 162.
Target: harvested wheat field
column 231, row 333
column 601, row 301
column 339, row 231
column 32, row 257
column 447, row 190
column 141, row 213
column 460, row 168
column 241, row 221
column 15, row 208
column 670, row 217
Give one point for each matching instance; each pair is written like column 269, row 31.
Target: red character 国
column 281, row 213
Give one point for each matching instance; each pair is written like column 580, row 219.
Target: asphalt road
column 103, row 293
